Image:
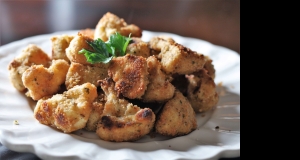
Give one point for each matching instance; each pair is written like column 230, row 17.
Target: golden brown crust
column 122, row 121
column 131, row 128
column 110, row 24
column 138, row 47
column 44, row 111
column 177, row 59
column 130, row 74
column 201, row 91
column 96, row 113
column 79, row 74
column 41, row 81
column 31, row 55
column 59, row 45
column 78, row 43
column 158, row 42
column 177, row 117
column 132, row 30
column 159, row 88
column 69, row 111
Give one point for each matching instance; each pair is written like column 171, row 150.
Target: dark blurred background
column 216, row 21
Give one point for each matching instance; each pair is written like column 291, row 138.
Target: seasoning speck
column 217, row 127
column 16, row 122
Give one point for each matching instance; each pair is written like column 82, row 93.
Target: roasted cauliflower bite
column 59, row 45
column 138, row 47
column 210, row 67
column 130, row 75
column 176, row 118
column 45, row 109
column 97, row 111
column 31, row 55
column 122, row 121
column 41, row 81
column 78, row 43
column 159, row 88
column 201, row 91
column 158, row 42
column 178, row 59
column 110, row 24
column 69, row 111
column 80, row 73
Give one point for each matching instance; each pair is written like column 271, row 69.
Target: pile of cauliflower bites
column 113, row 99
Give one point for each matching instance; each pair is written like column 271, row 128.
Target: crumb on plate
column 16, row 122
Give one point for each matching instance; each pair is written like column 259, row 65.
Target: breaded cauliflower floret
column 41, row 81
column 31, row 55
column 97, row 111
column 59, row 45
column 177, row 117
column 159, row 89
column 78, row 43
column 110, row 24
column 122, row 121
column 45, row 109
column 181, row 60
column 138, row 47
column 130, row 75
column 79, row 74
column 201, row 91
column 158, row 42
column 69, row 111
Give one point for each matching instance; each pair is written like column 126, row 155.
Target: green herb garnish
column 105, row 51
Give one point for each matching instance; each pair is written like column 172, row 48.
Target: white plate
column 206, row 142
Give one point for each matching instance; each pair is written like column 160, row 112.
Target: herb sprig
column 105, row 51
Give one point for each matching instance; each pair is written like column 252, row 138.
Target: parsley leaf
column 105, row 51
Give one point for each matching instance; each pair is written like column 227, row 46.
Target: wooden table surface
column 216, row 21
